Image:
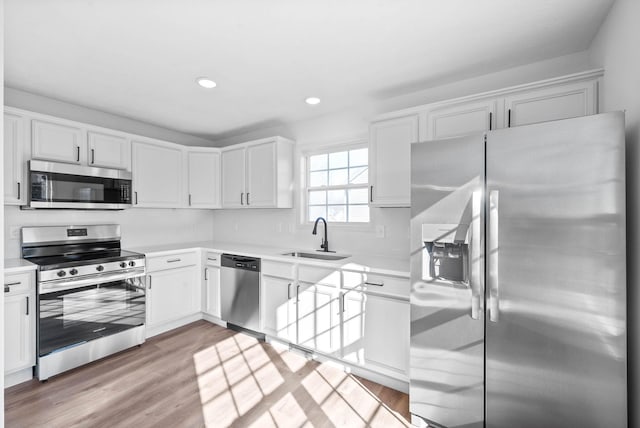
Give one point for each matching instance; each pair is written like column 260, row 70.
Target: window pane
column 359, row 213
column 337, row 197
column 338, row 177
column 315, row 212
column 338, row 160
column 359, row 157
column 318, row 162
column 359, row 175
column 317, row 179
column 337, row 213
column 358, row 196
column 317, row 197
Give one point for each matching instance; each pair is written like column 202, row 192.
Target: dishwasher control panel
column 240, row 262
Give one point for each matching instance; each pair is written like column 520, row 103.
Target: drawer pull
column 13, row 283
column 213, row 260
column 173, row 260
column 377, row 284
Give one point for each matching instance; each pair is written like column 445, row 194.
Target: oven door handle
column 69, row 284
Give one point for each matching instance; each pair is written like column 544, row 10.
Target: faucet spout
column 324, row 246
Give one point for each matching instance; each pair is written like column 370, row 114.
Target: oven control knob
column 132, row 263
column 99, row 268
column 61, row 273
column 73, row 271
column 123, row 265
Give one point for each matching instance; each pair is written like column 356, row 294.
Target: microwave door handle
column 493, row 256
column 475, row 258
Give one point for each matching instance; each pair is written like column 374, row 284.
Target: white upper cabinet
column 461, row 119
column 108, row 151
column 258, row 174
column 390, row 151
column 233, row 174
column 558, row 102
column 203, row 170
column 56, row 142
column 157, row 175
column 14, row 161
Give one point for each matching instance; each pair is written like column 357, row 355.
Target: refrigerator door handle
column 475, row 259
column 494, row 251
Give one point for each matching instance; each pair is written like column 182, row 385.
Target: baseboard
column 163, row 328
column 20, row 376
column 214, row 320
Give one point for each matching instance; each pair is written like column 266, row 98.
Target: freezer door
column 556, row 285
column 447, row 321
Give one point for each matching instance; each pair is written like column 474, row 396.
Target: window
column 338, row 186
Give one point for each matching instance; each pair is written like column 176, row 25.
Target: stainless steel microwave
column 60, row 185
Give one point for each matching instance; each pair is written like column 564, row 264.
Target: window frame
column 305, row 188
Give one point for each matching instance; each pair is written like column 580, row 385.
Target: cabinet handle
column 288, row 291
column 173, row 260
column 18, row 190
column 12, row 283
column 27, row 297
column 377, row 284
column 371, row 194
column 189, row 199
column 242, row 198
column 149, row 282
column 509, row 118
column 136, row 195
column 297, row 293
column 490, row 120
column 248, row 199
column 78, row 153
column 93, row 156
column 7, row 289
column 206, row 274
column 213, row 260
column 342, row 302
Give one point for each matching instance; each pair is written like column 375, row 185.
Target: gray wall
column 616, row 49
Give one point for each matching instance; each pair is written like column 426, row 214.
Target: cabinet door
column 390, row 153
column 558, row 102
column 317, row 318
column 108, row 151
column 204, row 178
column 14, row 165
column 55, row 142
column 353, row 313
column 386, row 332
column 233, row 176
column 261, row 175
column 172, row 294
column 19, row 332
column 212, row 290
column 462, row 119
column 157, row 175
column 278, row 307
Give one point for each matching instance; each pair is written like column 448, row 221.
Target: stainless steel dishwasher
column 240, row 291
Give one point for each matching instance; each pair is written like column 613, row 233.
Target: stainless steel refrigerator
column 518, row 281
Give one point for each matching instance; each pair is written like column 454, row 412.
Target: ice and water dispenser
column 446, row 252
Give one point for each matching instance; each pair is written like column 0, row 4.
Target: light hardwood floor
column 205, row 375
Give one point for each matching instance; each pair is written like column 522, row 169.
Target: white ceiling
column 140, row 58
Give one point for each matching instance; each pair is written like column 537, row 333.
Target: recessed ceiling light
column 312, row 101
column 205, row 82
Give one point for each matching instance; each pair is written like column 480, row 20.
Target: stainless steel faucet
column 324, row 246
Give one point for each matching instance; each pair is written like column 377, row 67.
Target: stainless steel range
column 91, row 294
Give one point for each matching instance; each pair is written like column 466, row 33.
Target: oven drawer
column 18, row 283
column 172, row 261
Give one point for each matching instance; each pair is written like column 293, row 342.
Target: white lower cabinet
column 173, row 294
column 212, row 289
column 318, row 318
column 19, row 327
column 279, row 317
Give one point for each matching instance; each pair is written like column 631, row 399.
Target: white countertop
column 17, row 266
column 358, row 262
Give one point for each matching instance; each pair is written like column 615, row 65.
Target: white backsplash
column 140, row 226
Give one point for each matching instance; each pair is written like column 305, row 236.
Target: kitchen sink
column 319, row 255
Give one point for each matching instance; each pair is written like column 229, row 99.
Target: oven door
column 74, row 316
column 56, row 185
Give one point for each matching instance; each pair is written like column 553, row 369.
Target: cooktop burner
column 82, row 259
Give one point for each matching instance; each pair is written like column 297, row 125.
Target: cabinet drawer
column 278, row 269
column 18, row 283
column 212, row 259
column 377, row 283
column 319, row 275
column 173, row 261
